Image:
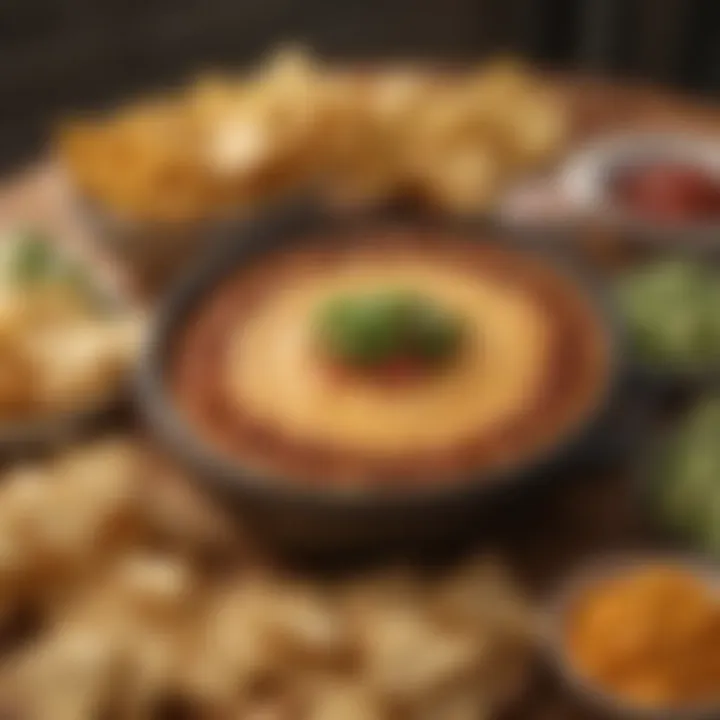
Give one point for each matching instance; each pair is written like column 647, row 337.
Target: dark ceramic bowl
column 324, row 518
column 604, row 702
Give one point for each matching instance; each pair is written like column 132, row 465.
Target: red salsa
column 669, row 192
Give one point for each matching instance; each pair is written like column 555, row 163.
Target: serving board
column 592, row 511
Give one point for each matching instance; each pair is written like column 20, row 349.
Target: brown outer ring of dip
column 574, row 383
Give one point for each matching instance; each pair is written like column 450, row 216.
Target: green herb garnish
column 372, row 329
column 32, row 259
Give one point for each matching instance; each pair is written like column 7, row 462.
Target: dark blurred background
column 60, row 55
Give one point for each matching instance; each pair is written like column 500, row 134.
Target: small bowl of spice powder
column 641, row 637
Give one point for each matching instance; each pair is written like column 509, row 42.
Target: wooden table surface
column 591, row 513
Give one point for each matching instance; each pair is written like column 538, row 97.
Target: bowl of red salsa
column 654, row 186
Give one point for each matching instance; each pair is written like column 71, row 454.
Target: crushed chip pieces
column 226, row 144
column 133, row 621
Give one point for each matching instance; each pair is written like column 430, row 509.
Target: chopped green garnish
column 437, row 332
column 359, row 332
column 33, row 259
column 370, row 329
column 30, row 258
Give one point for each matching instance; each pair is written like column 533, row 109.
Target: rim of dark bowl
column 585, row 176
column 596, row 571
column 275, row 230
column 119, row 228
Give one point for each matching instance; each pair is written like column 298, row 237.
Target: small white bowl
column 585, row 181
column 588, row 691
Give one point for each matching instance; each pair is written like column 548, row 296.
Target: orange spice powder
column 650, row 636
